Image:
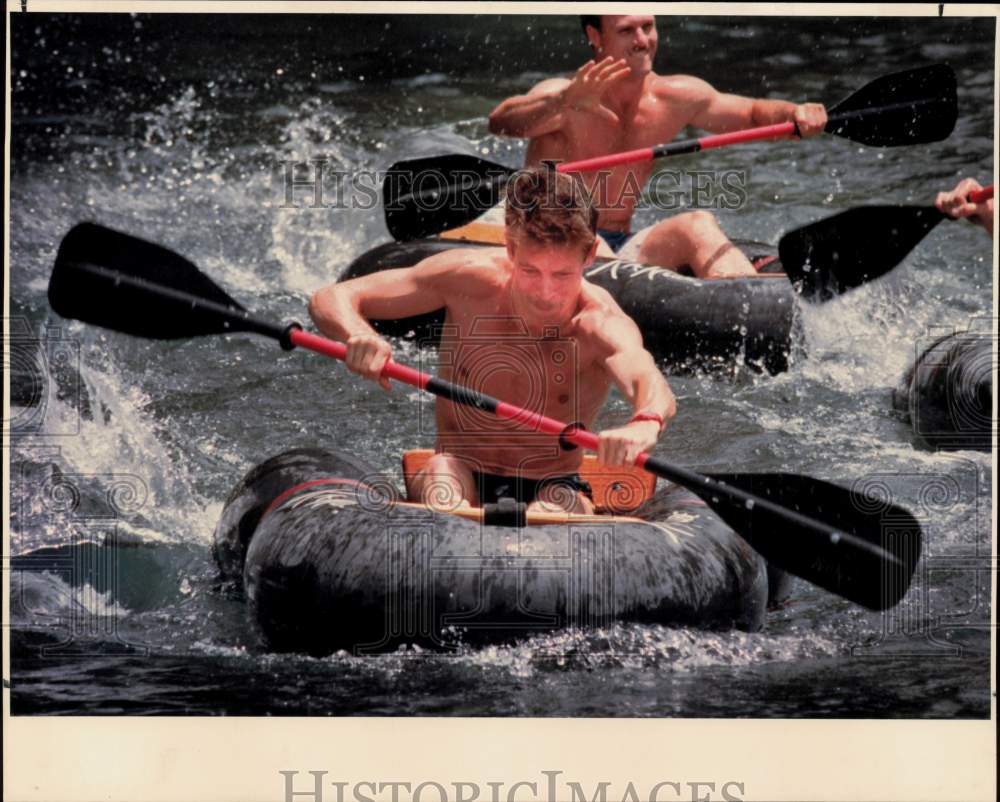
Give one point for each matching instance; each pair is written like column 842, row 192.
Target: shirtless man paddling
column 523, row 325
column 616, row 103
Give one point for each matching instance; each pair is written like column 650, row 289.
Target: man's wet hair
column 550, row 207
column 593, row 20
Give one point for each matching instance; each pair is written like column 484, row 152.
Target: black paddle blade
column 831, row 256
column 120, row 282
column 423, row 197
column 905, row 108
column 871, row 558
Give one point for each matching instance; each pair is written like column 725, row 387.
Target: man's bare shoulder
column 475, row 272
column 597, row 300
column 601, row 321
column 681, row 89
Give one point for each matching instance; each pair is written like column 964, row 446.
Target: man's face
column 631, row 37
column 547, row 279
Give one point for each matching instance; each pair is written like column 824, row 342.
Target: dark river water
column 179, row 129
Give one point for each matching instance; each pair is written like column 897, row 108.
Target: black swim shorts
column 493, row 487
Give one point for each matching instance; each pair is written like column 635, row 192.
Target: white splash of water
column 47, row 599
column 118, row 443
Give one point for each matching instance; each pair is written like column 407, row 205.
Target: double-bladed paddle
column 831, row 256
column 425, row 196
column 853, row 544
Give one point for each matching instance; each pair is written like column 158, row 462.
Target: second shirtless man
column 616, row 103
column 523, row 325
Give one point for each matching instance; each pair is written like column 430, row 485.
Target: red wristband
column 640, row 416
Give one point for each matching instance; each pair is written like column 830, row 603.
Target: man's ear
column 594, row 38
column 589, row 259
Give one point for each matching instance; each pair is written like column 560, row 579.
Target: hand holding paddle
column 968, row 199
column 426, row 196
column 848, row 542
column 366, row 355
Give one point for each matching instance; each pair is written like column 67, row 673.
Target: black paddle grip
column 677, row 148
column 286, row 336
column 569, row 430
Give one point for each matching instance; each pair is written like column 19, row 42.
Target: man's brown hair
column 551, row 207
column 594, row 20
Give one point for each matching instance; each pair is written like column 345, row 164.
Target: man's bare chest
column 651, row 124
column 496, row 355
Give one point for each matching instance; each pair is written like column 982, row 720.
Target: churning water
column 178, row 129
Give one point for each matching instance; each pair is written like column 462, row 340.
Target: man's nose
column 641, row 39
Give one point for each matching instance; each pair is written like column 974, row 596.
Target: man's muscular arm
column 341, row 311
column 632, row 368
column 721, row 113
column 542, row 111
column 535, row 114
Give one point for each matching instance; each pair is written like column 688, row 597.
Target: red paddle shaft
column 458, row 394
column 676, row 148
column 693, row 146
column 981, row 195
